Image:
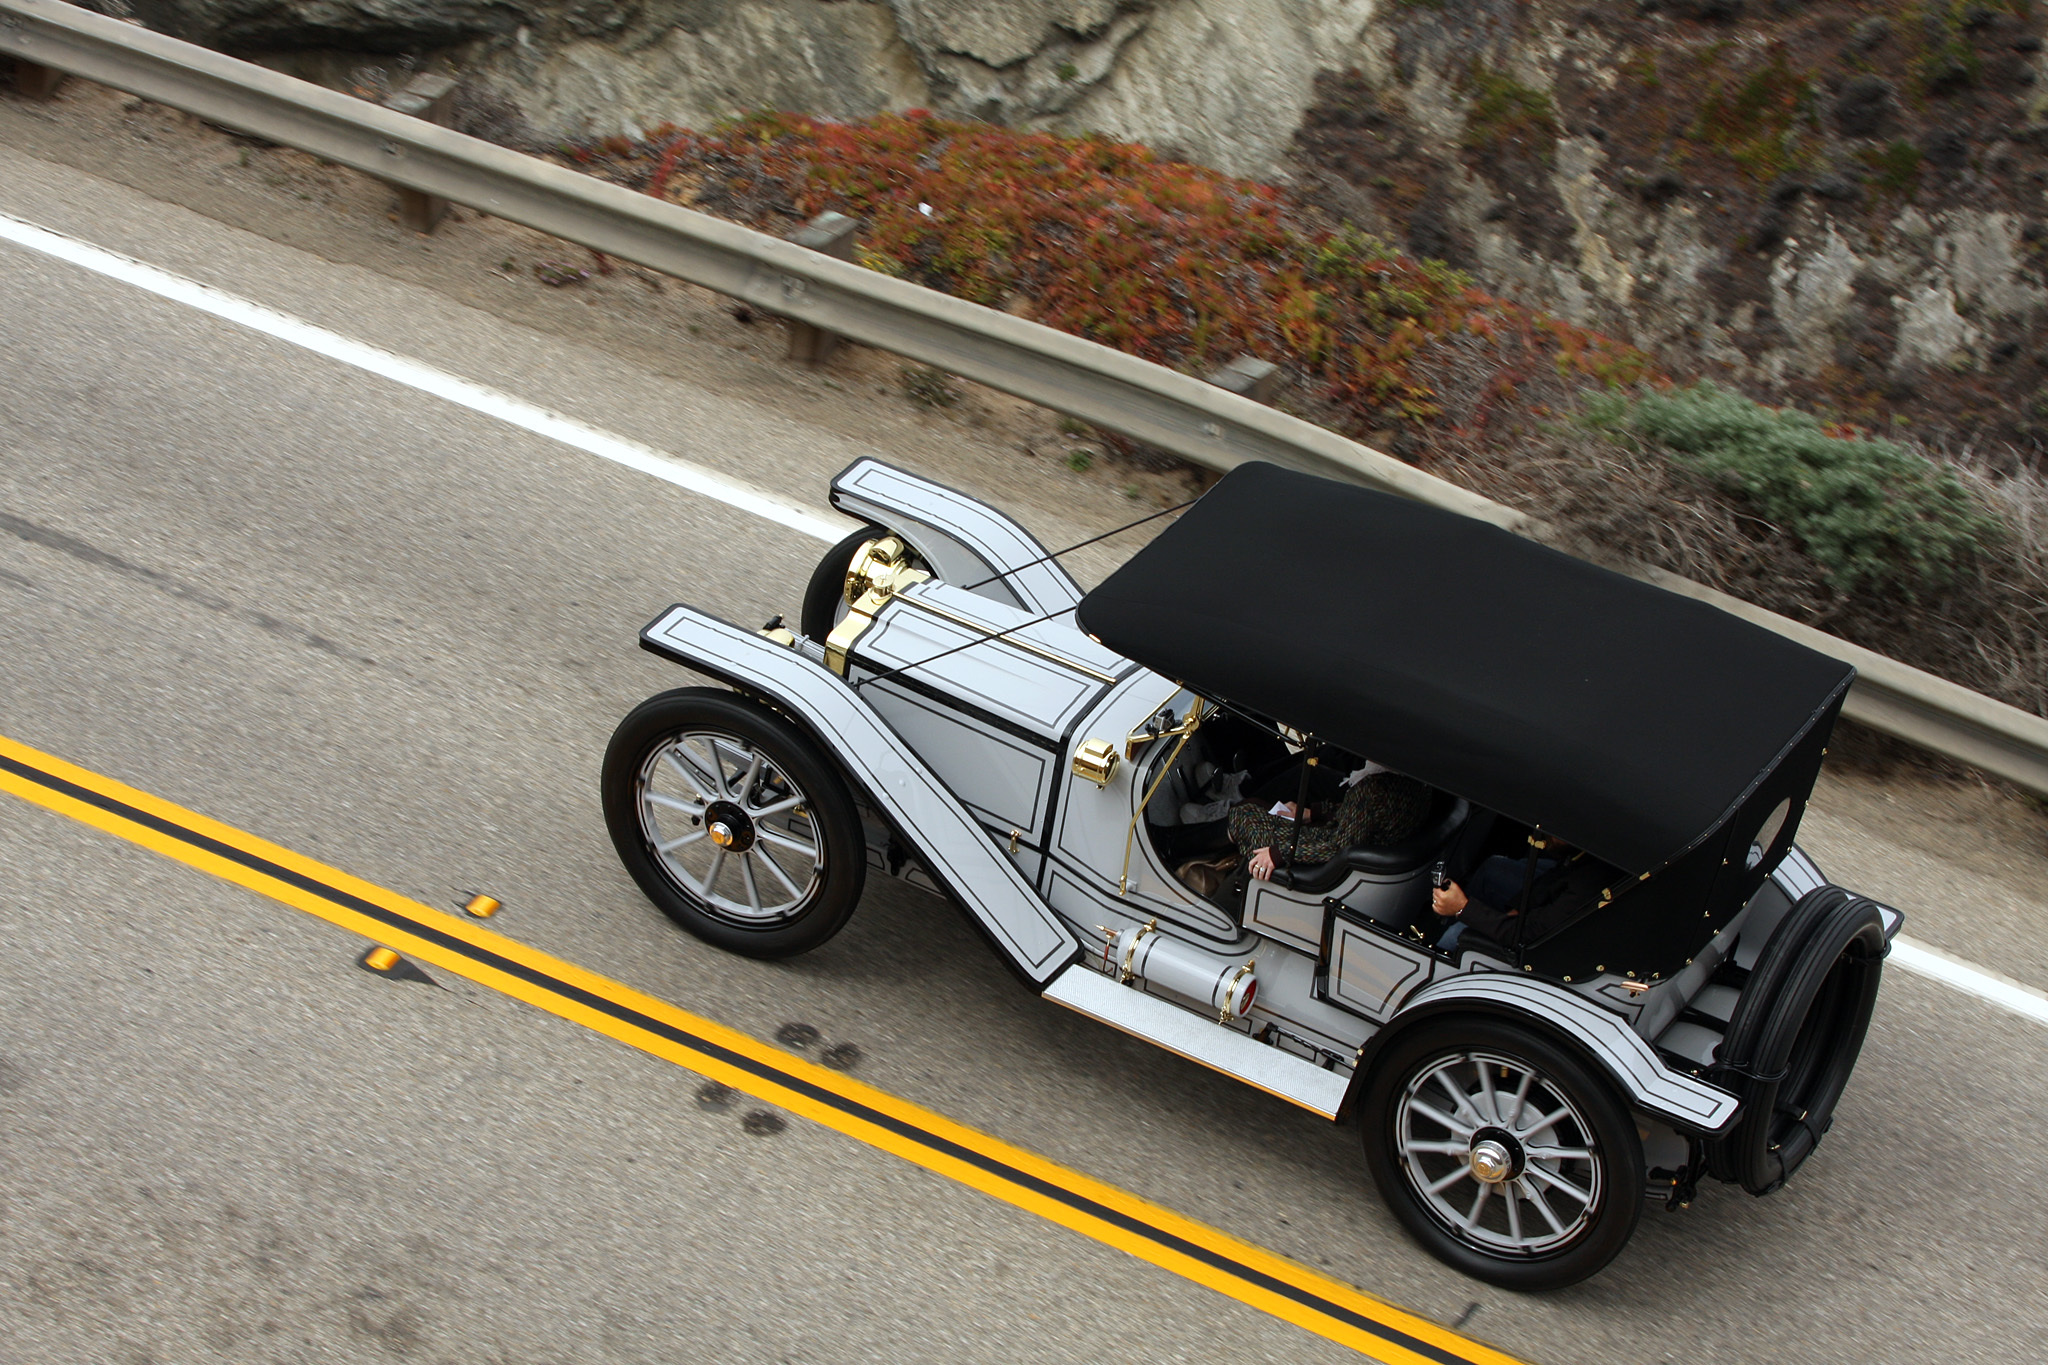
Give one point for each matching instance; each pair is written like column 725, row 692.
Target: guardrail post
column 833, row 235
column 431, row 98
column 1249, row 377
column 35, row 81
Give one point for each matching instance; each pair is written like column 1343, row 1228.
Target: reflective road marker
column 1245, row 1272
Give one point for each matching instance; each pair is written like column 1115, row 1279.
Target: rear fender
column 948, row 840
column 963, row 539
column 1645, row 1082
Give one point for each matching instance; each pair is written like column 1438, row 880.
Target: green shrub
column 927, row 387
column 1502, row 110
column 1763, row 121
column 1870, row 512
column 1895, row 167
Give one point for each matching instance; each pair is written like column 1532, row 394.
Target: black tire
column 1584, row 1233
column 825, row 594
column 1796, row 1034
column 793, row 838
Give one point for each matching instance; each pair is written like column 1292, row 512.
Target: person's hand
column 1448, row 901
column 1261, row 864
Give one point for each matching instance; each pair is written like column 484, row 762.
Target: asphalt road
column 394, row 635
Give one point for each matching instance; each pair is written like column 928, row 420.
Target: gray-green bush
column 1870, row 512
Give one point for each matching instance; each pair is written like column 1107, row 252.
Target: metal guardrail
column 1121, row 393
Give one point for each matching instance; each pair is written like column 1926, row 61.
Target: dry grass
column 2011, row 651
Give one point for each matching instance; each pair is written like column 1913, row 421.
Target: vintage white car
column 1669, row 990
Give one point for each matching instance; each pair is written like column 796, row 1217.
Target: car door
column 1103, row 862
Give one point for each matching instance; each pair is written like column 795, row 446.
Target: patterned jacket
column 1384, row 808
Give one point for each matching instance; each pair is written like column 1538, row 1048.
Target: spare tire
column 1796, row 1033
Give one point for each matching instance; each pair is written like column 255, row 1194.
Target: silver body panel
column 1372, row 974
column 1093, row 829
column 925, row 631
column 993, row 719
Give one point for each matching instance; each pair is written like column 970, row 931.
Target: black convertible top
column 1628, row 720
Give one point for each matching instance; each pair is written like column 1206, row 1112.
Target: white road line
column 1967, row 976
column 1914, row 957
column 427, row 379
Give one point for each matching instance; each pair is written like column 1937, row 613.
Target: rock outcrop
column 1836, row 203
column 1223, row 82
column 1827, row 206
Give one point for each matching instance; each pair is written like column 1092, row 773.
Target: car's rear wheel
column 1507, row 1156
column 733, row 823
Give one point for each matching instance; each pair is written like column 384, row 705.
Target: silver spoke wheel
column 730, row 827
column 1499, row 1154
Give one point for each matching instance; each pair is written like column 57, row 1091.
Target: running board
column 1087, row 991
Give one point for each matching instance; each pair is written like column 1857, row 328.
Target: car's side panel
column 1298, row 1015
column 993, row 716
column 1092, row 828
column 1371, row 972
column 1003, row 779
column 961, row 665
column 1294, row 920
column 962, row 538
column 1299, row 917
column 948, row 838
column 1091, row 831
column 1645, row 1081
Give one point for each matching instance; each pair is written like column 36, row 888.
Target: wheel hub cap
column 1492, row 1162
column 729, row 826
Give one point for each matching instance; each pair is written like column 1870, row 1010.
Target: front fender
column 1686, row 1102
column 950, row 843
column 963, row 539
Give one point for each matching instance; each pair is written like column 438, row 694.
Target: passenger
column 1379, row 807
column 1563, row 880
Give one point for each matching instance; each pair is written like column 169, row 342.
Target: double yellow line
column 1109, row 1215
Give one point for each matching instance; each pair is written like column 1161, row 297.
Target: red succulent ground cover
column 1168, row 261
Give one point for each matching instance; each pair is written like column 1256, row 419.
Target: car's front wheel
column 1507, row 1156
column 733, row 823
column 825, row 595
